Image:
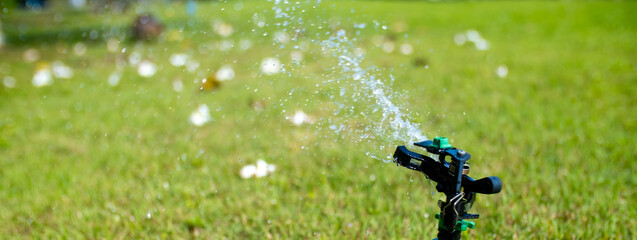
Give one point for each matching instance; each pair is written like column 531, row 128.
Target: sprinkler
column 451, row 177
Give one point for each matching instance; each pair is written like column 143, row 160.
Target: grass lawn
column 84, row 158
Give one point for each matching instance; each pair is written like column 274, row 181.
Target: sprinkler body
column 452, row 180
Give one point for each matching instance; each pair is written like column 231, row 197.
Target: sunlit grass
column 84, row 159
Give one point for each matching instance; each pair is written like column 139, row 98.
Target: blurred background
column 277, row 119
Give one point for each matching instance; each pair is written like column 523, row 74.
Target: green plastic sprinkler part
column 441, row 142
column 461, row 225
column 440, row 223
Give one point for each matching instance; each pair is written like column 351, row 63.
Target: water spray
column 452, row 180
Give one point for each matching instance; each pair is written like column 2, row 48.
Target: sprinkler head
column 452, row 179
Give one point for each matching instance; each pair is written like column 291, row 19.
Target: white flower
column 473, row 35
column 388, row 46
column 42, row 77
column 79, row 49
column 406, row 48
column 114, row 78
column 112, row 45
column 225, row 45
column 502, row 71
column 482, row 44
column 178, row 85
column 248, row 171
column 296, row 56
column 222, row 29
column 225, row 73
column 261, row 169
column 31, row 55
column 299, row 118
column 178, row 59
column 191, row 65
column 200, row 116
column 134, row 58
column 281, row 37
column 270, row 66
column 460, row 39
column 146, row 69
column 271, row 168
column 245, row 44
column 62, row 71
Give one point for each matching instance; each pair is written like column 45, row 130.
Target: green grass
column 82, row 159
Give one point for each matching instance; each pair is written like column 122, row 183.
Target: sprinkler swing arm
column 452, row 180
